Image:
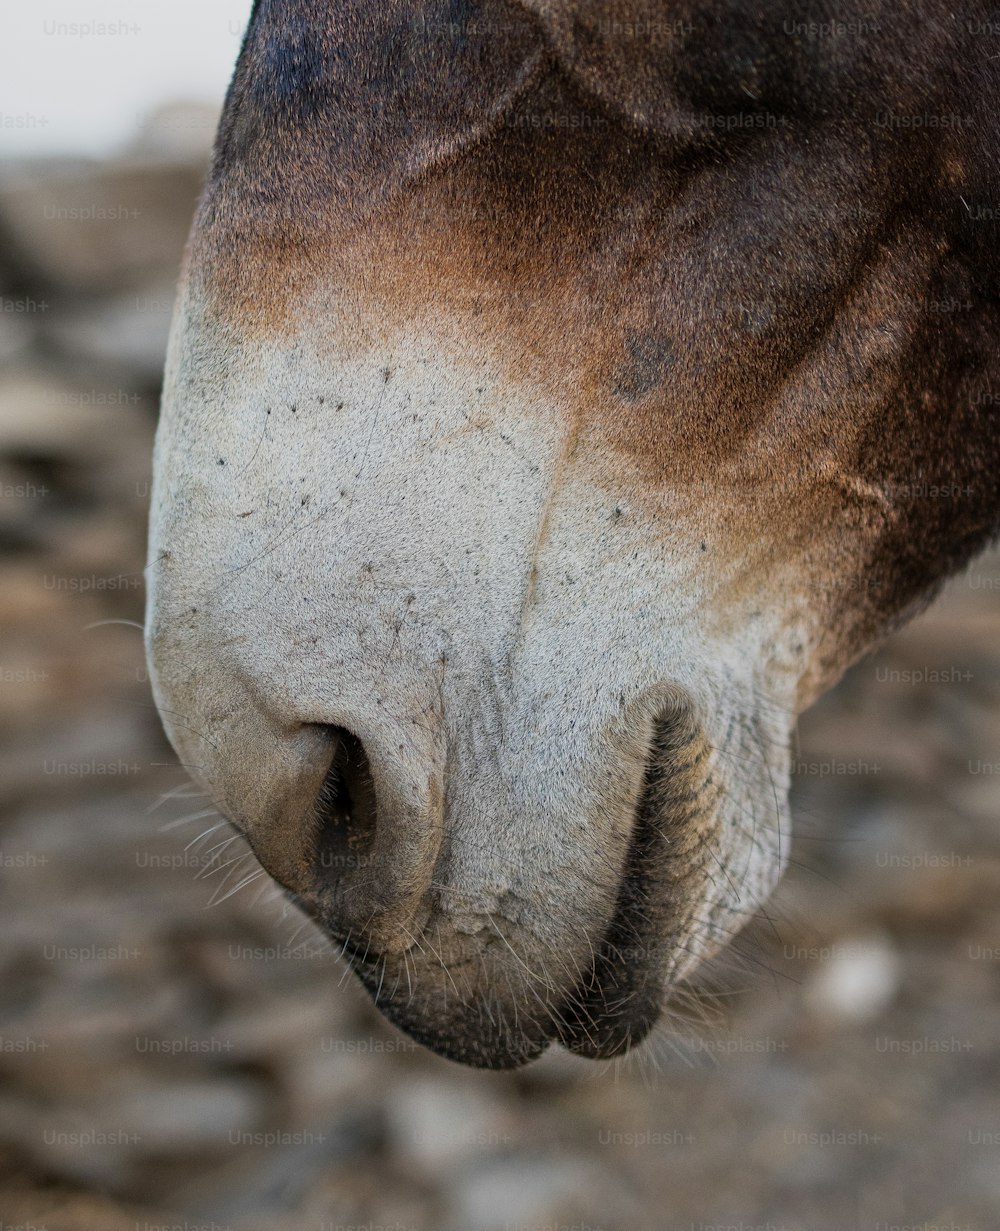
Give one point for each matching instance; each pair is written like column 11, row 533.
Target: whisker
column 217, row 901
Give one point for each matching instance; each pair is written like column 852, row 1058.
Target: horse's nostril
column 345, row 812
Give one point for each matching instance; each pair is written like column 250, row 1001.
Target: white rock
column 126, row 331
column 858, row 980
column 433, row 1122
column 52, row 418
column 186, row 1116
column 523, row 1192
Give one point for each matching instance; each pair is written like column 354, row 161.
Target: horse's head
column 537, row 441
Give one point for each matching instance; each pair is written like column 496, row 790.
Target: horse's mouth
column 611, row 1009
column 618, row 995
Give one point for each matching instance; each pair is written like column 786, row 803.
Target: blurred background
column 179, row 1050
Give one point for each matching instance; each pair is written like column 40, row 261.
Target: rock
column 43, row 416
column 526, row 1191
column 320, row 1079
column 858, row 981
column 434, row 1124
column 65, row 1211
column 125, row 331
column 69, row 1143
column 273, row 1174
column 186, row 1117
column 73, row 491
column 17, row 327
column 56, row 760
column 99, row 226
column 285, row 1026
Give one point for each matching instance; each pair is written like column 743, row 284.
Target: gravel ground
column 179, row 1050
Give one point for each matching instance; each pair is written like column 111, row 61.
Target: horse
column 558, row 400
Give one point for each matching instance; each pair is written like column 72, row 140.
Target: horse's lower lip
column 613, row 1008
column 612, row 1011
column 479, row 1040
column 462, row 1041
column 617, row 1004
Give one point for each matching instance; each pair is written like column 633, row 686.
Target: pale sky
column 80, row 77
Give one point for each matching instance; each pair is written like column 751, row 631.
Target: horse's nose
column 346, row 812
column 340, row 796
column 349, row 821
column 370, row 845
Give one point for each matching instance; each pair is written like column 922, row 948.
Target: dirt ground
column 177, row 1051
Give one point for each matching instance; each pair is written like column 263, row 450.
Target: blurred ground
column 167, row 1063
